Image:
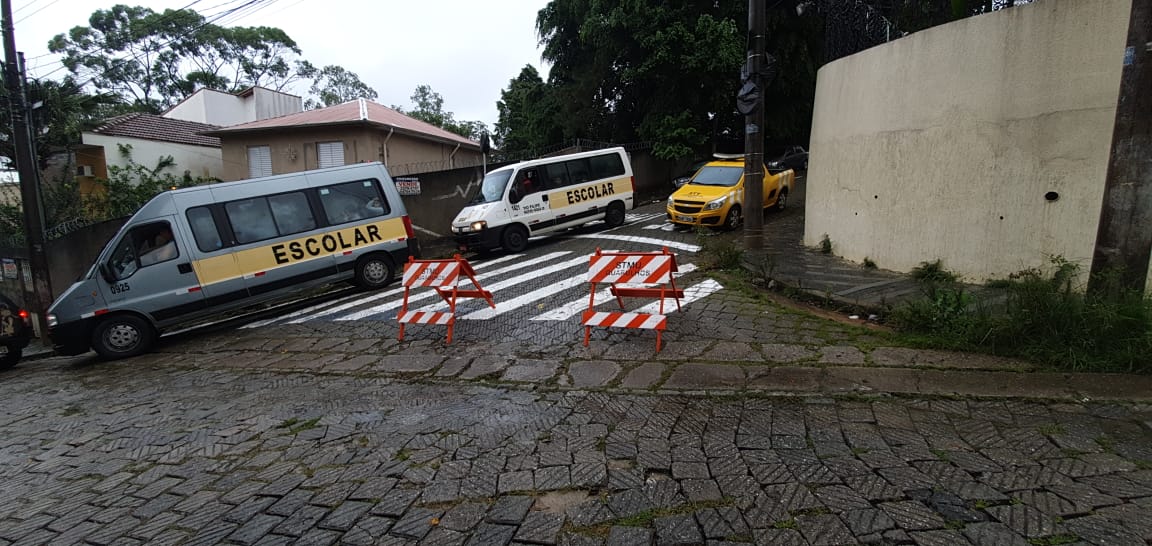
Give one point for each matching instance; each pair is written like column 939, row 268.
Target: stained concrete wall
column 943, row 144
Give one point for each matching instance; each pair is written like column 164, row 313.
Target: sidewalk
column 791, row 264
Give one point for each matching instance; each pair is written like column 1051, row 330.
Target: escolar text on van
column 546, row 195
column 195, row 252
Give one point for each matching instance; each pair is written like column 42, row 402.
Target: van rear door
column 150, row 271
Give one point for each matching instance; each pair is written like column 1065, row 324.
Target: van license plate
column 688, row 219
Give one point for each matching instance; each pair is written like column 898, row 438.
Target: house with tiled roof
column 151, row 138
column 352, row 132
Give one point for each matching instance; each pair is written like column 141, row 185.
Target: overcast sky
column 466, row 50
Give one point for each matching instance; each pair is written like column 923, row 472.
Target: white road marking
column 375, row 310
column 691, row 294
column 578, row 306
column 520, row 279
column 425, row 231
column 306, row 310
column 642, row 240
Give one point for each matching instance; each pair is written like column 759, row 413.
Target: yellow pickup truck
column 714, row 196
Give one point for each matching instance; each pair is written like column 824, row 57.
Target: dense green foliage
column 153, row 60
column 65, row 111
column 334, row 85
column 1040, row 315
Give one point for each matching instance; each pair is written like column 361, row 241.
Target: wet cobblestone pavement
column 144, row 452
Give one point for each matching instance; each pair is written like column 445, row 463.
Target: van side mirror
column 106, row 273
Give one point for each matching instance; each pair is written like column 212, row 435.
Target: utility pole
column 37, row 293
column 1124, row 235
column 754, row 132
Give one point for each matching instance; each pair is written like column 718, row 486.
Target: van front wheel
column 122, row 336
column 614, row 216
column 374, row 271
column 514, row 239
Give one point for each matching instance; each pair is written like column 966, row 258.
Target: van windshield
column 718, row 176
column 492, row 189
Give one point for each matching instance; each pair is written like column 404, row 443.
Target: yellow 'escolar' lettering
column 325, row 244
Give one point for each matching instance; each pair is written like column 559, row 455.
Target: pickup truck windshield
column 492, row 189
column 718, row 176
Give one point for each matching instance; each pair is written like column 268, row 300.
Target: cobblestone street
column 138, row 451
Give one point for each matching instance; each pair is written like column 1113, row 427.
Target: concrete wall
column 944, row 143
column 68, row 258
column 199, row 160
column 295, row 150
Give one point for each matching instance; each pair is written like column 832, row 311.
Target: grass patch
column 785, row 524
column 299, row 427
column 1106, row 443
column 825, row 245
column 724, row 253
column 1051, row 429
column 1045, row 316
column 868, row 263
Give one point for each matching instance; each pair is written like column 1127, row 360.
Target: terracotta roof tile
column 153, row 127
column 350, row 112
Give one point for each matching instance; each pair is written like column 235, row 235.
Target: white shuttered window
column 259, row 161
column 331, row 154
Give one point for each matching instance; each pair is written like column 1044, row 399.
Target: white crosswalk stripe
column 555, row 283
column 577, row 306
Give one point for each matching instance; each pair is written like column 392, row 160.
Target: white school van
column 546, row 195
column 196, row 252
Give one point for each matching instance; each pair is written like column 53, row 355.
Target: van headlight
column 713, row 205
column 52, row 321
column 479, row 226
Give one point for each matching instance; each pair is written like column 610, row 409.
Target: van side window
column 579, row 170
column 292, row 213
column 606, row 166
column 251, row 220
column 555, row 175
column 353, row 201
column 204, row 229
column 143, row 246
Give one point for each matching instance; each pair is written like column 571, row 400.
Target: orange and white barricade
column 443, row 276
column 632, row 274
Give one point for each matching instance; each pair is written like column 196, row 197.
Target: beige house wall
column 943, row 144
column 294, row 150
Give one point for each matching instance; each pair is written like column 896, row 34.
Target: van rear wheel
column 123, row 336
column 374, row 271
column 514, row 239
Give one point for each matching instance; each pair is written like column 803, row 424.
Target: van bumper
column 478, row 241
column 72, row 338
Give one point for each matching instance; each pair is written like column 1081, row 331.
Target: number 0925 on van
column 195, row 252
column 546, row 195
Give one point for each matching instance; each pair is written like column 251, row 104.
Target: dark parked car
column 15, row 332
column 795, row 158
column 687, row 175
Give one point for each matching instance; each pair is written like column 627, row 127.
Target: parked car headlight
column 671, row 201
column 52, row 321
column 713, row 205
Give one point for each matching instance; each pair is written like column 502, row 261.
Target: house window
column 330, row 154
column 259, row 161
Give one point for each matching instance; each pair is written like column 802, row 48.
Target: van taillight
column 24, row 315
column 633, row 179
column 408, row 227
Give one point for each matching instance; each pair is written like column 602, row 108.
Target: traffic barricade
column 443, row 276
column 631, row 274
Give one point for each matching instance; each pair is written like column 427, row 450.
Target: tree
column 152, row 60
column 333, row 85
column 65, row 111
column 527, row 114
column 430, row 109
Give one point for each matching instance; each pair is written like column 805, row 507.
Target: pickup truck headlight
column 713, row 205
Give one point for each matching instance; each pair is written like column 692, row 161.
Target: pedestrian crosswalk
column 549, row 287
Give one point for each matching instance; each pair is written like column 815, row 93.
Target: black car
column 15, row 332
column 795, row 158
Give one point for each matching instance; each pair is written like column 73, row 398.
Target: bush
column 1045, row 317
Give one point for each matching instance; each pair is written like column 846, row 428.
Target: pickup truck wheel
column 122, row 336
column 514, row 239
column 782, row 201
column 10, row 358
column 614, row 216
column 733, row 219
column 374, row 271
